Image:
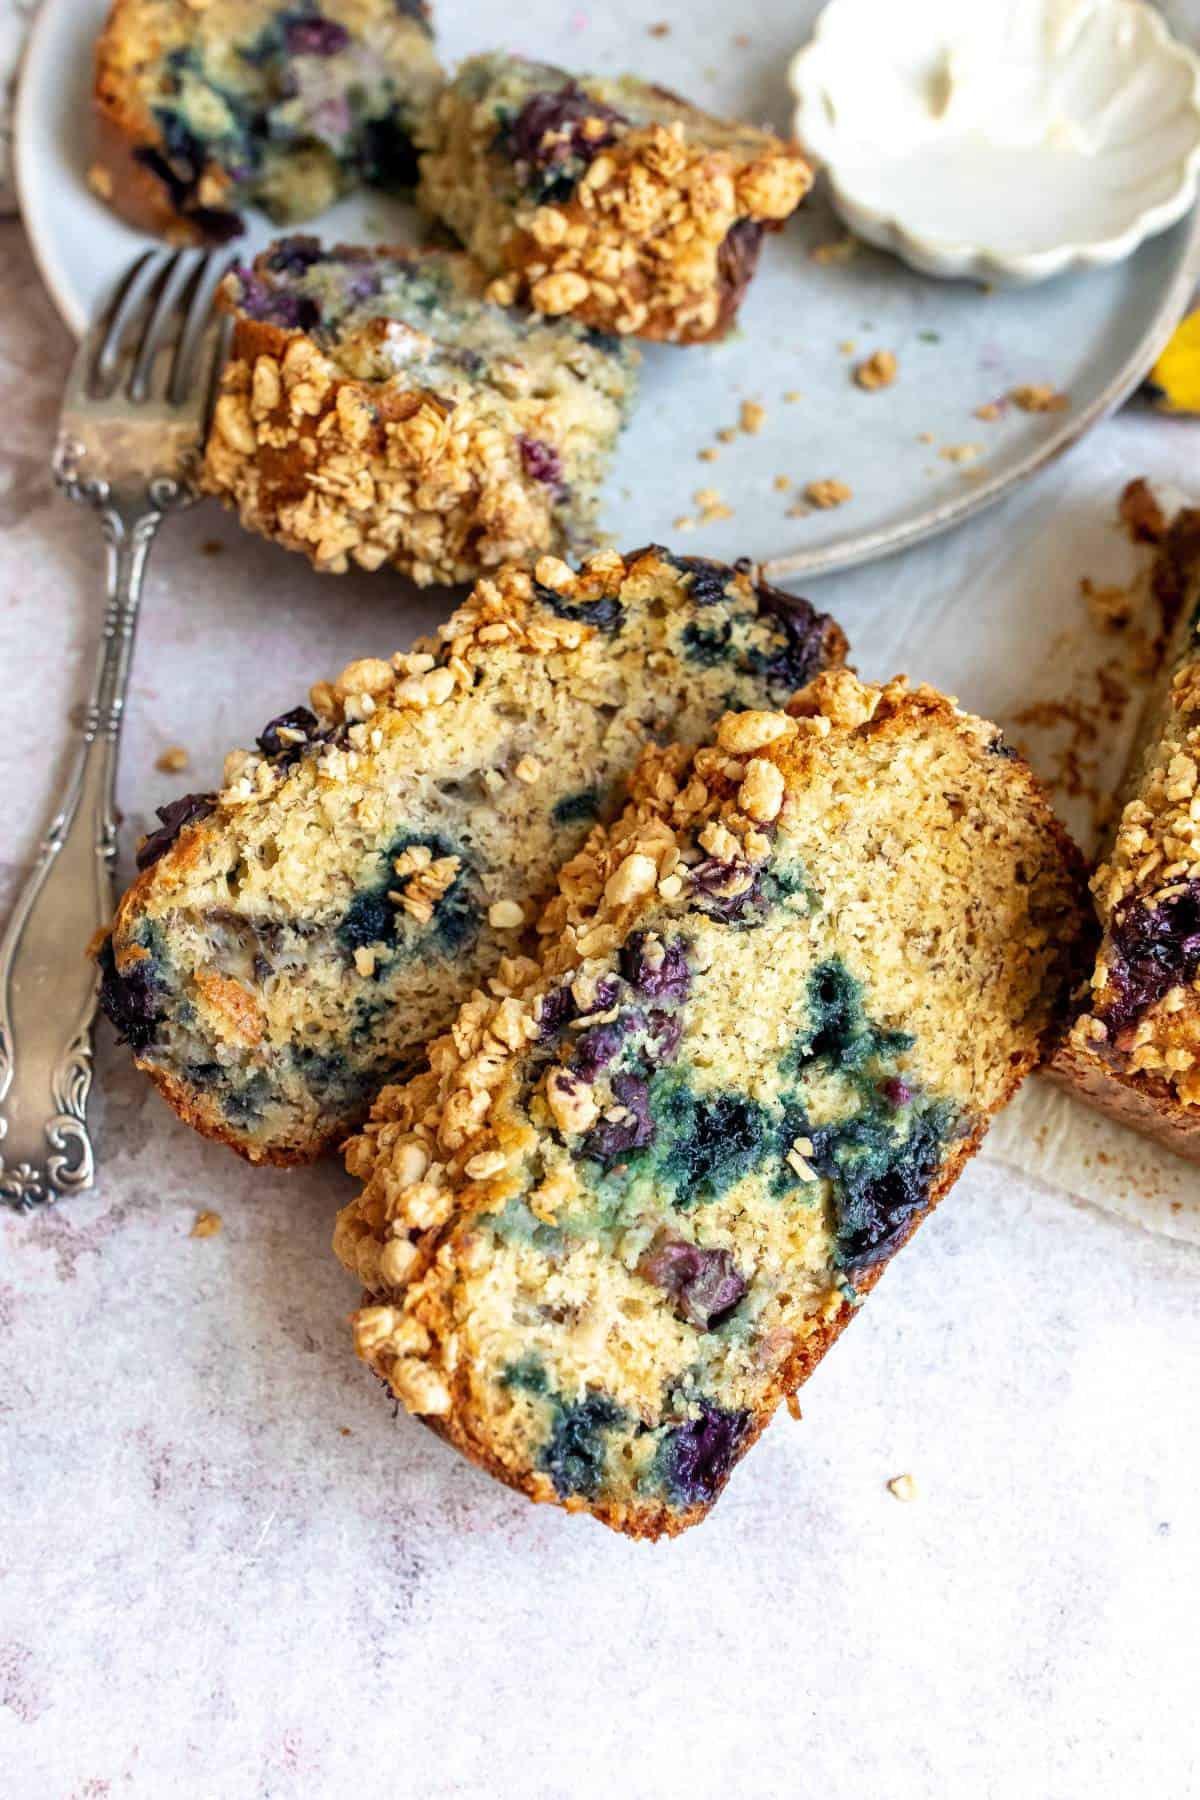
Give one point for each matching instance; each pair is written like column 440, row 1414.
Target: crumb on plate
column 827, row 493
column 878, row 370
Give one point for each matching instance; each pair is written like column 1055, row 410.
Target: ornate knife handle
column 47, row 981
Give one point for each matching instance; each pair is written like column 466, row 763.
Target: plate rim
column 845, row 553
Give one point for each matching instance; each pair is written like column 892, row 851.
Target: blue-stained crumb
column 573, row 809
column 605, row 615
column 527, row 1375
column 371, row 918
column 708, row 647
column 838, row 1029
column 575, row 1453
column 714, row 1140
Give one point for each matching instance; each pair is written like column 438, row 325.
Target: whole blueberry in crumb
column 656, row 970
column 695, row 1458
column 541, row 461
column 555, row 137
column 737, row 259
column 596, row 1048
column 276, row 306
column 299, row 719
column 611, row 1139
column 728, row 891
column 705, row 1285
column 128, row 1001
column 558, row 1009
column 1156, row 948
column 173, row 818
column 605, row 614
column 708, row 579
column 801, row 653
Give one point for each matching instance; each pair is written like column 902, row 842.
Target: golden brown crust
column 1142, row 1103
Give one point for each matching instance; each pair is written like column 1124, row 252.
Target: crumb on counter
column 792, row 395
column 206, row 1224
column 173, row 760
column 840, row 250
column 212, row 547
column 683, row 523
column 712, row 506
column 904, row 1487
column 878, row 370
column 1140, row 513
column 847, row 346
column 728, row 434
column 709, row 454
column 960, row 453
column 990, row 410
column 753, row 417
column 782, row 483
column 827, row 493
column 793, row 1406
column 661, row 29
column 925, row 437
column 1039, row 397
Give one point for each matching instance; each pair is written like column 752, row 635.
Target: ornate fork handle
column 47, row 981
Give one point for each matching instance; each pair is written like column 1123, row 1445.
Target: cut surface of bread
column 628, row 1206
column 609, row 199
column 296, row 939
column 1134, row 1048
column 207, row 106
column 375, row 409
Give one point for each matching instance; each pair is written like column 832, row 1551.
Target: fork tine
column 109, row 333
column 156, row 331
column 198, row 318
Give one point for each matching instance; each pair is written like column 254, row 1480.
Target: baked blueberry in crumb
column 633, row 1129
column 297, row 727
column 128, row 1001
column 606, row 614
column 694, row 1459
column 556, row 136
column 173, row 818
column 577, row 807
column 656, row 970
column 704, row 1285
column 1157, row 948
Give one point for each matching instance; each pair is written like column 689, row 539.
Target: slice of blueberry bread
column 1134, row 1049
column 376, row 410
column 207, row 106
column 608, row 199
column 629, row 1205
column 296, row 940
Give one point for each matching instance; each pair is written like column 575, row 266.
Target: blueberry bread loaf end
column 295, row 940
column 204, row 109
column 376, row 410
column 626, row 1209
column 1134, row 1049
column 608, row 199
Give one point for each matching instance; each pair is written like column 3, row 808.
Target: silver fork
column 130, row 442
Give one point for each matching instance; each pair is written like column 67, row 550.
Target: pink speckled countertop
column 226, row 1570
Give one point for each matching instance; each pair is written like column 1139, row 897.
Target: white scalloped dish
column 1006, row 140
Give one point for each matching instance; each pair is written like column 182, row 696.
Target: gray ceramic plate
column 914, row 455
